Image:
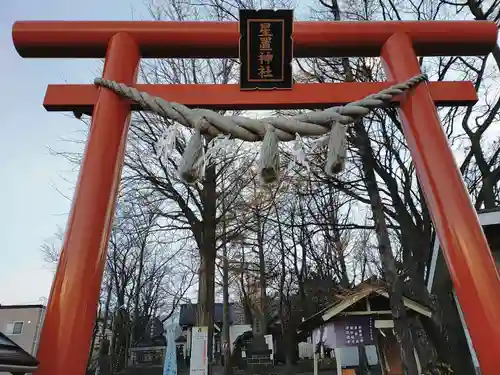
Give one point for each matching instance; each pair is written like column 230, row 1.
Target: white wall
column 31, row 319
column 306, row 350
column 349, row 355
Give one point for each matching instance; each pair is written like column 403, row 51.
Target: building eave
column 487, row 218
column 14, row 307
column 335, row 309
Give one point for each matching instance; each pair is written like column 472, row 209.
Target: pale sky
column 30, row 206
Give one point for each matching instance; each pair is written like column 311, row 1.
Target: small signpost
column 266, row 49
column 199, row 345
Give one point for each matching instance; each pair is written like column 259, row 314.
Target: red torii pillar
column 72, row 306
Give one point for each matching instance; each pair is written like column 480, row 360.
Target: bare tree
column 313, row 234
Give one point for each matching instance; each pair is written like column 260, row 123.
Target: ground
column 217, row 370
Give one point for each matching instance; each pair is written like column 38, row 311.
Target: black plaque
column 354, row 331
column 266, row 49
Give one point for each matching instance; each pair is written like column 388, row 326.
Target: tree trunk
column 247, row 303
column 137, row 291
column 401, row 326
column 106, row 310
column 363, row 367
column 262, row 276
column 225, row 324
column 446, row 332
column 113, row 349
column 226, row 346
column 104, row 340
column 208, row 249
column 205, row 313
column 290, row 349
column 92, row 343
column 424, row 346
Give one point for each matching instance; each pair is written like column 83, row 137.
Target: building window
column 14, row 328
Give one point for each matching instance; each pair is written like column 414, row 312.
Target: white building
column 22, row 324
column 439, row 277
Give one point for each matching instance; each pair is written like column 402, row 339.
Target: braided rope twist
column 270, row 130
column 307, row 124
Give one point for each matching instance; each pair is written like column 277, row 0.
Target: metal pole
column 72, row 307
column 464, row 245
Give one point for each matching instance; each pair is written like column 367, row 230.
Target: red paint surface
column 462, row 240
column 220, row 39
column 72, row 307
column 82, row 98
column 71, row 310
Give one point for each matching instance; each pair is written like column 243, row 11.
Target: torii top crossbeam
column 220, row 39
column 71, row 310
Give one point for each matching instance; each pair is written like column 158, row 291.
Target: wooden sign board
column 266, row 49
column 354, row 331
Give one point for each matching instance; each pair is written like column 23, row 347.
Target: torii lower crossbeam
column 82, row 98
column 71, row 311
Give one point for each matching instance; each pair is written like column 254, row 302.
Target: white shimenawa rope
column 269, row 130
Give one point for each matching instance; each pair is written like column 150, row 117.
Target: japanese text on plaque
column 265, row 51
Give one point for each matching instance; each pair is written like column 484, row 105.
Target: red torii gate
column 71, row 310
